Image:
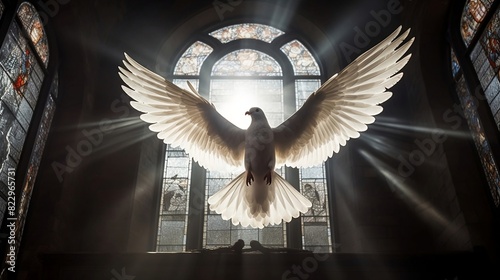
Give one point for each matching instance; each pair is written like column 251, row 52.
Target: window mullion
column 196, row 210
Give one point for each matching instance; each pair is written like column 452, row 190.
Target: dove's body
column 260, row 157
column 338, row 111
column 260, row 161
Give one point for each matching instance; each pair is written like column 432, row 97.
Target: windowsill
column 255, row 265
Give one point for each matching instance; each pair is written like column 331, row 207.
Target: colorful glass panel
column 485, row 57
column 246, row 62
column 19, row 87
column 33, row 26
column 192, row 59
column 21, row 77
column 469, row 104
column 302, row 60
column 472, row 16
column 455, row 66
column 247, row 31
column 35, row 159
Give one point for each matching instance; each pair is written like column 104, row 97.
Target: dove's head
column 256, row 113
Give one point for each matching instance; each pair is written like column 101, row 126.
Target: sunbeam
column 420, row 205
column 393, row 126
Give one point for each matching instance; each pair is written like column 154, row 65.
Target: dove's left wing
column 342, row 106
column 183, row 118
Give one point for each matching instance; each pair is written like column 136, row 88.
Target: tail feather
column 244, row 204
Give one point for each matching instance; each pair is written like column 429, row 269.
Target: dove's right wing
column 342, row 106
column 183, row 118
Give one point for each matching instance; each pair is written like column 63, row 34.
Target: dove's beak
column 247, row 113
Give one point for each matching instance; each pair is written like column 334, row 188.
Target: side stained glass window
column 36, row 158
column 485, row 57
column 473, row 14
column 237, row 80
column 24, row 57
column 469, row 106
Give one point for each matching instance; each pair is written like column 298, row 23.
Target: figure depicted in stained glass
column 473, row 14
column 23, row 76
column 491, row 41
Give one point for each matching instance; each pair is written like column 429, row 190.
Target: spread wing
column 183, row 118
column 342, row 106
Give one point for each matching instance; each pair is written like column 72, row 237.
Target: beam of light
column 284, row 13
column 379, row 143
column 422, row 207
column 103, row 123
column 385, row 124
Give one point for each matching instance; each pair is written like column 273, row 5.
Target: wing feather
column 343, row 106
column 183, row 118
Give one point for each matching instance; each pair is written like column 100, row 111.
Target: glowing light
column 235, row 105
column 401, row 185
column 232, row 98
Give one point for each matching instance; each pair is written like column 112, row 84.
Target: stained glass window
column 34, row 28
column 241, row 79
column 473, row 14
column 469, row 105
column 485, row 57
column 246, row 62
column 301, row 59
column 192, row 59
column 247, row 31
column 35, row 159
column 20, row 81
column 24, row 56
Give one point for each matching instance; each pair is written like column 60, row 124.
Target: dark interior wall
column 104, row 200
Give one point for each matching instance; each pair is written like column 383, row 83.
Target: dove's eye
column 257, row 110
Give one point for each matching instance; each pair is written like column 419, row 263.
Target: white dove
column 336, row 112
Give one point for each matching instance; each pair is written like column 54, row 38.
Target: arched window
column 28, row 93
column 237, row 67
column 480, row 82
